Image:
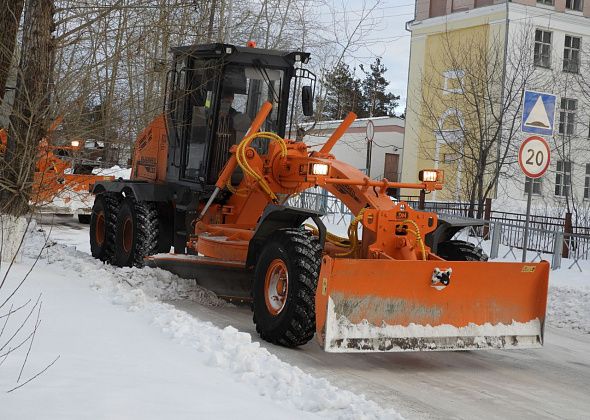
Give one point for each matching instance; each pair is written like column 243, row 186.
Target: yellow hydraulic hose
column 330, row 237
column 418, row 236
column 353, row 235
column 351, row 243
column 243, row 161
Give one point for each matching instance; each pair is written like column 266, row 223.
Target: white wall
column 352, row 147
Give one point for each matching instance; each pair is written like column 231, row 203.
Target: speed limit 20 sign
column 534, row 156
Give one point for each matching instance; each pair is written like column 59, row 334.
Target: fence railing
column 547, row 239
column 459, row 208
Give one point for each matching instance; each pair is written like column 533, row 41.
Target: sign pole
column 369, row 153
column 534, row 155
column 525, row 241
column 370, row 133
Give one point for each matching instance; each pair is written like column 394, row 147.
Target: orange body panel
column 50, row 184
column 222, row 242
column 150, row 155
column 3, row 140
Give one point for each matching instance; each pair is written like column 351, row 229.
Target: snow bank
column 115, row 171
column 233, row 352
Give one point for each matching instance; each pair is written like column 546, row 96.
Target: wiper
column 266, row 78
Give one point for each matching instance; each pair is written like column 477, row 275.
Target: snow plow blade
column 392, row 306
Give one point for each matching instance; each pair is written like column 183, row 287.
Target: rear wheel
column 137, row 232
column 103, row 222
column 285, row 283
column 460, row 251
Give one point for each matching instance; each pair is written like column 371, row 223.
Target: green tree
column 343, row 93
column 377, row 101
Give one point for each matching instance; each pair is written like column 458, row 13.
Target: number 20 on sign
column 534, row 156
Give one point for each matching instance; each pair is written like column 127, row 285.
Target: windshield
column 243, row 91
column 249, row 87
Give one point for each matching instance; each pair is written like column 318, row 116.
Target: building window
column 563, row 178
column 537, row 185
column 587, row 183
column 545, row 2
column 577, row 5
column 449, row 158
column 571, row 54
column 453, row 81
column 567, row 116
column 542, row 48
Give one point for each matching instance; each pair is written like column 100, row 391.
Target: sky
column 387, row 38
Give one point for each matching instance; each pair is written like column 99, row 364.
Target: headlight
column 75, row 143
column 430, row 175
column 319, row 169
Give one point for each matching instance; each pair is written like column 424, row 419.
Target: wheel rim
column 100, row 228
column 127, row 235
column 276, row 286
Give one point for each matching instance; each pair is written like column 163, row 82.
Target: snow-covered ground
column 124, row 353
column 126, row 350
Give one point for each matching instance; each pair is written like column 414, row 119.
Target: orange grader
column 216, row 190
column 55, row 187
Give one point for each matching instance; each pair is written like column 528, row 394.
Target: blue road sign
column 538, row 113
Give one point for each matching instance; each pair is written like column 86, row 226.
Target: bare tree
column 10, row 15
column 471, row 99
column 29, row 117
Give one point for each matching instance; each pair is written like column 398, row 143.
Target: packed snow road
column 551, row 382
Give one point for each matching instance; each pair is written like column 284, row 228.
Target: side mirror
column 307, row 100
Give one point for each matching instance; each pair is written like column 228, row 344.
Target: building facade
column 541, row 45
column 385, row 149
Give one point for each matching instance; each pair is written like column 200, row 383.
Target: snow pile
column 569, row 307
column 115, row 171
column 234, row 352
column 69, row 201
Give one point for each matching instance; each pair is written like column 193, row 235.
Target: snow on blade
column 345, row 336
column 232, row 351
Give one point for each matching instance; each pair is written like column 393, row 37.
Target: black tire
column 84, row 218
column 300, row 254
column 103, row 221
column 136, row 234
column 460, row 251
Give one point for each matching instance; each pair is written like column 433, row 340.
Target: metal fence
column 459, row 208
column 547, row 239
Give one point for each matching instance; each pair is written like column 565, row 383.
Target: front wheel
column 285, row 283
